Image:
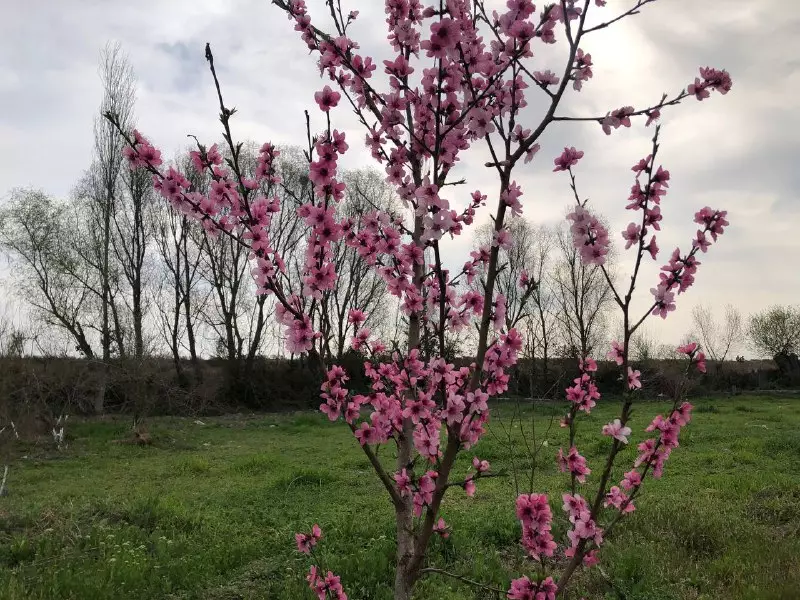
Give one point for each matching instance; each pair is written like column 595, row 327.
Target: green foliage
column 209, row 511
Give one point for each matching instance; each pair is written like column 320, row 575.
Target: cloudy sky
column 737, row 152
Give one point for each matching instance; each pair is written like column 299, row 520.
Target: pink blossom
column 546, row 77
column 652, row 116
column 366, row 434
column 631, row 235
column 700, row 241
column 617, row 430
column 307, row 541
column 403, row 482
column 616, row 353
column 633, row 379
column 356, row 317
column 632, row 479
column 481, row 466
column 568, row 158
column 652, row 247
column 700, row 359
column 573, row 463
column 619, row 500
column 441, row 529
column 469, row 487
column 327, row 98
column 525, row 589
column 665, row 300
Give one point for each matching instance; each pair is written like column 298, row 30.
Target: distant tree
column 176, row 282
column 515, row 278
column 12, row 338
column 358, row 286
column 582, row 298
column 717, row 335
column 38, row 239
column 643, row 345
column 775, row 332
column 543, row 322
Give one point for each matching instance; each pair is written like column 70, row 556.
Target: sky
column 737, row 152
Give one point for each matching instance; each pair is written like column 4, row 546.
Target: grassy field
column 209, row 511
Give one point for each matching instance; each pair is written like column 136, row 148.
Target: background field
column 209, row 510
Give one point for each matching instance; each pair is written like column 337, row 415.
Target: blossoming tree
column 457, row 74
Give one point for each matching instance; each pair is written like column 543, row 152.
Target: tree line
column 115, row 273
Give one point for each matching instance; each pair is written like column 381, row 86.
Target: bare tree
column 717, row 337
column 101, row 191
column 130, row 242
column 358, row 286
column 523, row 280
column 515, row 262
column 48, row 273
column 178, row 267
column 644, row 346
column 543, row 320
column 582, row 298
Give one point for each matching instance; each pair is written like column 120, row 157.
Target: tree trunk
column 102, row 384
column 403, row 585
column 106, row 326
column 138, row 342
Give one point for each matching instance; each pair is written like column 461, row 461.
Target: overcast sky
column 737, row 152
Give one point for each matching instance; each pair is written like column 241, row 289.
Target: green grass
column 209, row 511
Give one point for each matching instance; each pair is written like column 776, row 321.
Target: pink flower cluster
column 583, row 527
column 589, row 236
column 646, row 196
column 573, row 463
column 584, row 393
column 534, row 513
column 696, row 357
column 481, row 468
column 620, row 500
column 235, row 203
column 678, row 274
column 142, row 153
column 655, row 452
column 405, row 388
column 307, row 541
column 326, row 588
column 525, row 589
column 713, row 79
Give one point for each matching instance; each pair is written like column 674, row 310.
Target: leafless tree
column 717, row 336
column 100, row 193
column 48, row 274
column 542, row 321
column 514, row 261
column 582, row 298
column 177, row 286
column 528, row 308
column 358, row 286
column 130, row 241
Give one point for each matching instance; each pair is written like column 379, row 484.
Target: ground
column 208, row 511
